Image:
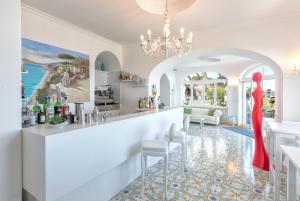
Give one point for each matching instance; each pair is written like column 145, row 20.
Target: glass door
column 248, row 88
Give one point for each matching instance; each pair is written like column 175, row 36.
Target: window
column 221, row 94
column 187, row 94
column 268, row 85
column 209, row 94
column 208, row 89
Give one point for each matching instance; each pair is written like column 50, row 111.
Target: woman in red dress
column 261, row 158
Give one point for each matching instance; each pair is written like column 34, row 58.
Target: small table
column 277, row 130
column 201, row 122
column 293, row 155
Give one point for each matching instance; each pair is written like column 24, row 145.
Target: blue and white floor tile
column 219, row 168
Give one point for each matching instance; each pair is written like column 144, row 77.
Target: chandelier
column 169, row 45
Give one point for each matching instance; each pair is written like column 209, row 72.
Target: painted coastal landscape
column 51, row 69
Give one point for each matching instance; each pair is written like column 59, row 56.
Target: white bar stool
column 179, row 137
column 154, row 148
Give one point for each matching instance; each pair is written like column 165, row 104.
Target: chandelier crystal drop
column 167, row 44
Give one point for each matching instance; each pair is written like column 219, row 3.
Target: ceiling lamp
column 166, row 43
column 295, row 70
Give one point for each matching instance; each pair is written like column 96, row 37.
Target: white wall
column 10, row 101
column 39, row 26
column 291, row 95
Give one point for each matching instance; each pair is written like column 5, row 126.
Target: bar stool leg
column 146, row 164
column 143, row 174
column 166, row 177
column 182, row 158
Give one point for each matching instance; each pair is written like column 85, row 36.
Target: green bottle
column 46, row 106
column 58, row 108
column 36, row 110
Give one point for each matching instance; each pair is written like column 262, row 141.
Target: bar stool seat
column 154, row 148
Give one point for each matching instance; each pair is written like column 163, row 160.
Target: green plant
column 57, row 120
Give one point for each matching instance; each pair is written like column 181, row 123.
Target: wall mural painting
column 49, row 69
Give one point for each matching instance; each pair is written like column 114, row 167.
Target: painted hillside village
column 49, row 71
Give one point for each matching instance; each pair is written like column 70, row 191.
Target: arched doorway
column 246, row 86
column 165, row 90
column 168, row 65
column 107, row 83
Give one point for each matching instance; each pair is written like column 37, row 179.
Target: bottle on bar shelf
column 36, row 110
column 46, row 106
column 51, row 112
column 41, row 117
column 58, row 107
column 65, row 107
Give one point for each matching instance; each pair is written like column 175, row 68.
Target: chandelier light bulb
column 182, row 32
column 142, row 37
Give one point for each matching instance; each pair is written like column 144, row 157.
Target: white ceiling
column 225, row 60
column 123, row 20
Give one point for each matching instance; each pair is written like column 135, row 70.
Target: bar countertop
column 44, row 130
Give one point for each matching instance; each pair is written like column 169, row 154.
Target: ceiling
column 206, row 61
column 124, row 20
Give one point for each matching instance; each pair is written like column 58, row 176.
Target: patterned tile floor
column 219, row 168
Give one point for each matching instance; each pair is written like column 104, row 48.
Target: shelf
column 128, row 81
column 139, row 85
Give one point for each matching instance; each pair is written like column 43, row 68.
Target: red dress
column 261, row 158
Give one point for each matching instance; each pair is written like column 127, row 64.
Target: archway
column 167, row 66
column 246, row 86
column 107, row 71
column 165, row 90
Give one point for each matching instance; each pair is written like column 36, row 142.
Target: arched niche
column 107, row 71
column 165, row 90
column 109, row 61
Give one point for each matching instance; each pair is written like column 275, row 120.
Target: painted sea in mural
column 32, row 79
column 50, row 69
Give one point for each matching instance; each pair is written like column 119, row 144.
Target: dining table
column 278, row 131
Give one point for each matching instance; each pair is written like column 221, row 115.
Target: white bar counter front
column 91, row 162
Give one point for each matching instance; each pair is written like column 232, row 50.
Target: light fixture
column 295, row 70
column 167, row 44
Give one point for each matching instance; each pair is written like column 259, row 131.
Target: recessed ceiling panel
column 158, row 6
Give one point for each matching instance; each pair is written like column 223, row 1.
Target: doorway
column 165, row 90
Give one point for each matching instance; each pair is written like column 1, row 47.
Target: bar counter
column 91, row 162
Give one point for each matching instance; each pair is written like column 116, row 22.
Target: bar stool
column 179, row 137
column 154, row 148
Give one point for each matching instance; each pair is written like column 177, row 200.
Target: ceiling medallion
column 167, row 44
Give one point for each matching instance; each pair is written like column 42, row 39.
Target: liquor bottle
column 36, row 109
column 58, row 108
column 51, row 110
column 65, row 107
column 32, row 119
column 41, row 117
column 46, row 106
column 140, row 105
